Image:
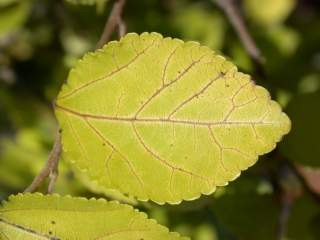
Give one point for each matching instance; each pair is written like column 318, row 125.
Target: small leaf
column 286, row 39
column 21, row 158
column 164, row 120
column 34, row 216
column 269, row 12
column 196, row 22
column 13, row 17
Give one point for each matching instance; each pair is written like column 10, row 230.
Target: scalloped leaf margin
column 37, row 216
column 163, row 119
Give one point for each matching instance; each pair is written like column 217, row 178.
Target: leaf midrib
column 160, row 120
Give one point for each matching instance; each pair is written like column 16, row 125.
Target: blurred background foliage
column 40, row 40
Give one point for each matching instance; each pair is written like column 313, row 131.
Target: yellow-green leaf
column 34, row 216
column 112, row 194
column 164, row 120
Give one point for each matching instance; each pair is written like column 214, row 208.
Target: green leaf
column 286, row 39
column 109, row 193
column 304, row 219
column 269, row 12
column 303, row 110
column 34, row 216
column 196, row 22
column 21, row 159
column 205, row 231
column 164, row 120
column 13, row 17
column 242, row 210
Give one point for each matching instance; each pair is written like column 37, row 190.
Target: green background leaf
column 164, row 120
column 247, row 204
column 269, row 12
column 303, row 109
column 198, row 23
column 240, row 208
column 13, row 17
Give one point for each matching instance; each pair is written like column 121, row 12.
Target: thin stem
column 297, row 169
column 114, row 20
column 236, row 20
column 286, row 205
column 50, row 169
column 122, row 29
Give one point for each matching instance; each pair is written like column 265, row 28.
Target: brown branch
column 286, row 206
column 236, row 20
column 122, row 28
column 290, row 189
column 305, row 182
column 310, row 176
column 50, row 169
column 114, row 20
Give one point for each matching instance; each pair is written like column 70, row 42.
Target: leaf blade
column 35, row 216
column 165, row 105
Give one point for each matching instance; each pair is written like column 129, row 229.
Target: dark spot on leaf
column 50, row 233
column 53, row 222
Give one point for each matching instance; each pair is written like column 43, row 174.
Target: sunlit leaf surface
column 34, row 216
column 165, row 120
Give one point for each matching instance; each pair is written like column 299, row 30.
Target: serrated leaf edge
column 160, row 36
column 20, row 196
